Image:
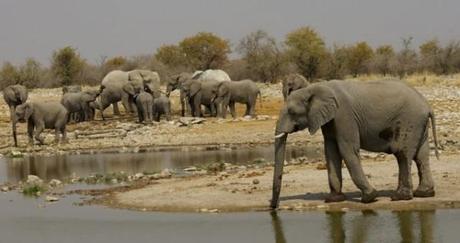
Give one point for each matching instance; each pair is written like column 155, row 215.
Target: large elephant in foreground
column 15, row 95
column 293, row 82
column 378, row 116
column 114, row 84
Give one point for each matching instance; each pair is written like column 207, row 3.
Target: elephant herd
column 379, row 116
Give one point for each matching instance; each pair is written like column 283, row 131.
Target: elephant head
column 293, row 82
column 91, row 95
column 23, row 112
column 144, row 79
column 176, row 82
column 311, row 108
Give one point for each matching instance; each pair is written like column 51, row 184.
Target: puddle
column 62, row 166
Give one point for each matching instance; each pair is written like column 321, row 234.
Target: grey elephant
column 112, row 88
column 71, row 89
column 211, row 74
column 15, row 95
column 43, row 115
column 231, row 92
column 144, row 104
column 176, row 82
column 378, row 116
column 293, row 82
column 79, row 103
column 199, row 93
column 161, row 106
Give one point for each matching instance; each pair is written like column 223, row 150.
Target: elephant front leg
column 30, row 132
column 116, row 111
column 197, row 106
column 334, row 171
column 38, row 131
column 350, row 153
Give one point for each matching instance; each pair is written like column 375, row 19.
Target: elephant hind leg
column 426, row 184
column 404, row 190
column 116, row 111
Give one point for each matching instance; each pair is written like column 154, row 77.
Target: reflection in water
column 277, row 228
column 62, row 166
column 371, row 227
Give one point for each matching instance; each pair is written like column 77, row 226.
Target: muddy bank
column 304, row 188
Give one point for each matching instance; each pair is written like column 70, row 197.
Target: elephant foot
column 369, row 197
column 402, row 194
column 424, row 192
column 335, row 197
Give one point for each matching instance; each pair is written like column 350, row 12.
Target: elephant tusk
column 280, row 135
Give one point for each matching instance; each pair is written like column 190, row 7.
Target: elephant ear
column 322, row 105
column 128, row 88
column 194, row 88
column 28, row 111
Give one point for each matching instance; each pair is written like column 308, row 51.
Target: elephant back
column 211, row 74
column 115, row 78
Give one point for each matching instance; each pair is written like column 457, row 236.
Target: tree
column 334, row 64
column 359, row 56
column 449, row 58
column 305, row 48
column 429, row 53
column 382, row 59
column 171, row 55
column 66, row 65
column 31, row 73
column 405, row 61
column 205, row 51
column 265, row 61
column 9, row 75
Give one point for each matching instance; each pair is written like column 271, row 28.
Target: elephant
column 112, row 88
column 378, row 116
column 199, row 93
column 161, row 106
column 71, row 89
column 293, row 82
column 231, row 92
column 176, row 83
column 211, row 74
column 144, row 104
column 78, row 103
column 43, row 115
column 15, row 95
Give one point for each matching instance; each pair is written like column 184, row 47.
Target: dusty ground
column 237, row 190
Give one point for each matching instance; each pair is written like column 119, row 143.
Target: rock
column 263, row 117
column 5, row 188
column 55, row 183
column 155, row 176
column 255, row 181
column 51, row 199
column 16, row 154
column 138, row 176
column 33, row 179
column 321, row 166
column 187, row 121
column 190, row 169
column 166, row 173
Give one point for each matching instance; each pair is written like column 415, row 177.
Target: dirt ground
column 304, row 184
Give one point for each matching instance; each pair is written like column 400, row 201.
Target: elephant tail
column 433, row 127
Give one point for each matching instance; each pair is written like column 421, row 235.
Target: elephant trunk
column 280, row 149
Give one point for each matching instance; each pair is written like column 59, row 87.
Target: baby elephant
column 41, row 115
column 161, row 106
column 79, row 103
column 144, row 104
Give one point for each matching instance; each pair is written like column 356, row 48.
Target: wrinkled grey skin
column 378, row 116
column 293, row 82
column 176, row 83
column 78, row 103
column 71, row 89
column 161, row 106
column 211, row 74
column 144, row 104
column 199, row 93
column 231, row 92
column 43, row 115
column 15, row 95
column 112, row 88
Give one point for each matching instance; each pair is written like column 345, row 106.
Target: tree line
column 260, row 57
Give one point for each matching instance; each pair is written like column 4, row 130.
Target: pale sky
column 34, row 28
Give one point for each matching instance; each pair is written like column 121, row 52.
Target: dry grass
column 418, row 79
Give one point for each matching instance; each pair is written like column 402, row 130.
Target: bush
column 67, row 65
